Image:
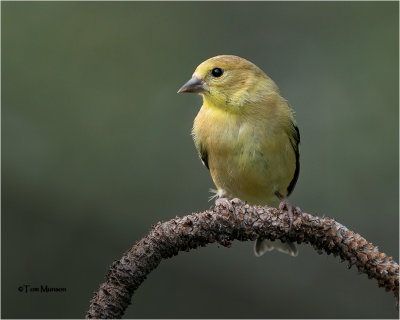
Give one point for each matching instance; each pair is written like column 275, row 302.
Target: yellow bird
column 246, row 135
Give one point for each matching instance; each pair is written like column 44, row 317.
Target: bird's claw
column 225, row 203
column 237, row 201
column 228, row 204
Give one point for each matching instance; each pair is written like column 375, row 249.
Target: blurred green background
column 96, row 148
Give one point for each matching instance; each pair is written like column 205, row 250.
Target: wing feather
column 294, row 141
column 203, row 155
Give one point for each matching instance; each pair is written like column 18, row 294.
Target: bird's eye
column 217, row 72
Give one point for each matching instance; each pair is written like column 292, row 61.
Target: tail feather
column 261, row 246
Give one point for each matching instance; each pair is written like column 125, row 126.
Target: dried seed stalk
column 246, row 223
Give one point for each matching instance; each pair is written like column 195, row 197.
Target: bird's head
column 230, row 82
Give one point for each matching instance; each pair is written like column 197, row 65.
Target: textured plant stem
column 243, row 223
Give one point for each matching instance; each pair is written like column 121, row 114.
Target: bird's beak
column 194, row 85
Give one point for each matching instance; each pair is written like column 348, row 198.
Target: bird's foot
column 224, row 202
column 238, row 201
column 286, row 206
column 228, row 204
column 291, row 211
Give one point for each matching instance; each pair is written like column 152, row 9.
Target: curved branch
column 243, row 223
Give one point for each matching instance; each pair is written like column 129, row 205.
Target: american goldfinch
column 246, row 135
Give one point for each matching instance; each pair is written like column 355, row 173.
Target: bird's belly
column 249, row 180
column 253, row 171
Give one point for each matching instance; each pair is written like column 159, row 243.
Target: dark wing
column 203, row 155
column 294, row 141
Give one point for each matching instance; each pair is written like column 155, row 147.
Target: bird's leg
column 286, row 206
